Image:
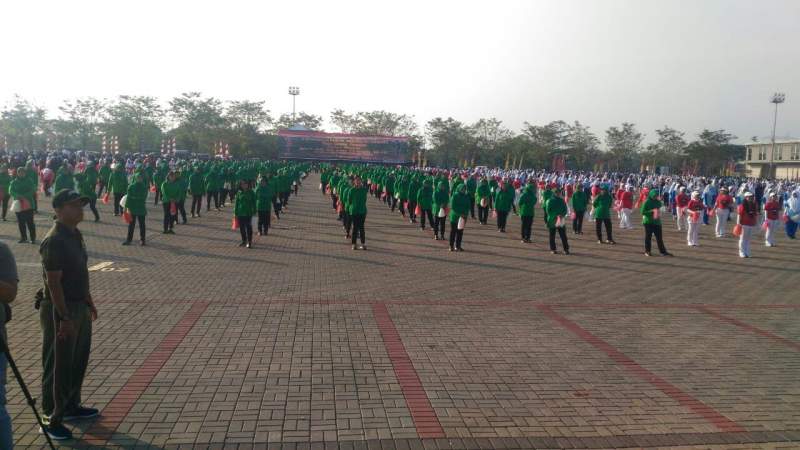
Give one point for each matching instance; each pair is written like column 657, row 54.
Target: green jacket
column 459, row 204
column 85, row 186
column 264, row 196
column 22, row 187
column 170, row 191
column 357, row 200
column 482, row 192
column 504, row 198
column 602, row 206
column 648, row 206
column 555, row 206
column 527, row 201
column 64, row 180
column 440, row 198
column 197, row 183
column 118, row 181
column 245, row 205
column 136, row 198
column 105, row 174
column 578, row 201
column 5, row 179
column 425, row 196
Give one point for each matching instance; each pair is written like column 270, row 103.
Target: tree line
column 199, row 123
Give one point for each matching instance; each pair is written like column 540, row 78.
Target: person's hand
column 65, row 329
column 92, row 313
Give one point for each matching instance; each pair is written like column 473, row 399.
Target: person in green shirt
column 64, row 179
column 103, row 177
column 483, row 199
column 183, row 182
column 86, row 189
column 5, row 182
column 197, row 188
column 527, row 202
column 264, row 196
column 503, row 203
column 578, row 202
column 440, row 200
column 602, row 214
column 23, row 190
column 425, row 202
column 135, row 204
column 357, row 209
column 555, row 210
column 243, row 208
column 459, row 209
column 170, row 191
column 472, row 187
column 118, row 186
column 651, row 220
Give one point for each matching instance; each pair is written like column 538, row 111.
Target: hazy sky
column 689, row 64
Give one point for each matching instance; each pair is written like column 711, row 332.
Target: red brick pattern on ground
column 119, row 407
column 417, row 400
column 714, row 417
column 750, row 328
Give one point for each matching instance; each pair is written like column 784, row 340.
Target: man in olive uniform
column 66, row 313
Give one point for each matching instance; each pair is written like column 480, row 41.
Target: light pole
column 777, row 98
column 294, row 91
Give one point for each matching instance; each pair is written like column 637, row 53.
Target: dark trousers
column 132, row 226
column 438, row 227
column 223, row 195
column 577, row 222
column 426, row 212
column 117, row 207
column 412, row 206
column 562, row 233
column 157, row 197
column 25, row 223
column 197, row 204
column 181, row 210
column 527, row 225
column 472, row 205
column 5, row 200
column 598, row 225
column 168, row 222
column 334, row 199
column 393, row 203
column 100, row 189
column 502, row 218
column 483, row 214
column 455, row 235
column 263, row 222
column 276, row 205
column 296, row 187
column 64, row 361
column 284, row 198
column 246, row 228
column 212, row 195
column 347, row 221
column 93, row 207
column 650, row 230
column 358, row 228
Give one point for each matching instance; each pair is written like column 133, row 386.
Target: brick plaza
column 302, row 342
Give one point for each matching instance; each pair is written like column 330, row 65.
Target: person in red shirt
column 722, row 209
column 748, row 213
column 694, row 215
column 772, row 210
column 681, row 202
column 625, row 207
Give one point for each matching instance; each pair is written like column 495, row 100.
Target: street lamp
column 294, row 91
column 777, row 98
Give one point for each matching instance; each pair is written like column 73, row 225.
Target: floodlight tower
column 294, row 91
column 777, row 99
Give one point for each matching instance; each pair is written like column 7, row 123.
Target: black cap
column 65, row 196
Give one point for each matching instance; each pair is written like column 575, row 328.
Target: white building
column 786, row 159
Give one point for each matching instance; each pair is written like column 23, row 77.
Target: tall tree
column 448, row 138
column 137, row 121
column 624, row 144
column 488, row 136
column 310, row 121
column 22, row 124
column 246, row 120
column 200, row 121
column 84, row 117
column 712, row 151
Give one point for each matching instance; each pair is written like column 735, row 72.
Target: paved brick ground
column 304, row 343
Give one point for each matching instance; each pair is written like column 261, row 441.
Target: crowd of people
column 254, row 188
column 567, row 199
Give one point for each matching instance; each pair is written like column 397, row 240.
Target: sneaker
column 611, row 243
column 648, row 254
column 56, row 432
column 81, row 412
column 33, row 241
column 554, row 252
column 599, row 242
column 355, row 247
column 126, row 243
column 22, row 241
column 452, row 249
column 667, row 254
column 362, row 247
column 566, row 252
column 142, row 243
column 460, row 249
column 249, row 245
column 242, row 244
